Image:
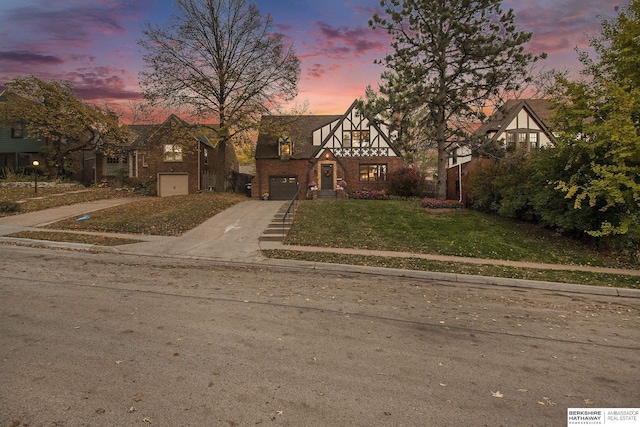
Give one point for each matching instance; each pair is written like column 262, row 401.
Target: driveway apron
column 231, row 235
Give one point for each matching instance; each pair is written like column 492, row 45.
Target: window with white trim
column 523, row 140
column 172, row 153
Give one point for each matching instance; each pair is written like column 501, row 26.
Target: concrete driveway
column 231, row 235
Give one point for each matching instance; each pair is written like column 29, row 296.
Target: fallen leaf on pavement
column 497, row 394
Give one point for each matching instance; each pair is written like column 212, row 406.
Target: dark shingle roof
column 142, row 133
column 540, row 108
column 298, row 128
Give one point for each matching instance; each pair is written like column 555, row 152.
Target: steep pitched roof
column 143, row 133
column 539, row 109
column 298, row 128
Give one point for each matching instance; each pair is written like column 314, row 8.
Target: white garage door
column 173, row 184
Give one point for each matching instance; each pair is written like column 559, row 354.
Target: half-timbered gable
column 355, row 136
column 520, row 124
column 297, row 153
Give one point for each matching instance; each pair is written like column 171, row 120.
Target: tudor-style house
column 519, row 124
column 295, row 152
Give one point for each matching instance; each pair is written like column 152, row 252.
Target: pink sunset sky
column 92, row 44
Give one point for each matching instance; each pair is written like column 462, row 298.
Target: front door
column 326, row 182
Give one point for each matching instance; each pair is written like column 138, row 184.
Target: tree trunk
column 221, row 173
column 223, row 138
column 441, row 136
column 442, row 171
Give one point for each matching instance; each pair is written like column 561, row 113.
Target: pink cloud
column 318, row 70
column 359, row 41
column 103, row 83
column 340, row 43
column 558, row 29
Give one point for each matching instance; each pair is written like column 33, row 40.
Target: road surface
column 103, row 340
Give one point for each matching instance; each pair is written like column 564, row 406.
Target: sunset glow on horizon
column 93, row 44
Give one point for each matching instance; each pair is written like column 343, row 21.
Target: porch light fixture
column 35, row 174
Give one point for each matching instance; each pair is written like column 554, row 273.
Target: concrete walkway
column 233, row 236
column 49, row 216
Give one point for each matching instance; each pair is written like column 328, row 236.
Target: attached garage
column 173, row 184
column 283, row 187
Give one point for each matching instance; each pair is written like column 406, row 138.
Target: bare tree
column 219, row 60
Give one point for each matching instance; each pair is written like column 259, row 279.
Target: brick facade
column 344, row 169
column 326, row 149
column 147, row 159
column 454, row 186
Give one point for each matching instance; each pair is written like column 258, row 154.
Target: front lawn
column 405, row 226
column 162, row 216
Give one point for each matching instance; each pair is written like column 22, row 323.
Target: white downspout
column 460, row 180
column 199, row 173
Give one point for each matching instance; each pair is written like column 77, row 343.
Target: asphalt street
column 100, row 339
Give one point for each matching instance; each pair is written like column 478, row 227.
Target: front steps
column 277, row 230
column 327, row 195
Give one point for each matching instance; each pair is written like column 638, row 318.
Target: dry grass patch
column 162, row 216
column 53, row 197
column 89, row 239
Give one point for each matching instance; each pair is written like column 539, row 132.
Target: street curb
column 459, row 278
column 352, row 269
column 83, row 247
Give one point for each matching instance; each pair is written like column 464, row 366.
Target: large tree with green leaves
column 449, row 57
column 598, row 119
column 219, row 60
column 50, row 112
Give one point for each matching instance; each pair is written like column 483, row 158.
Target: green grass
column 404, row 226
column 561, row 276
column 162, row 216
column 364, row 224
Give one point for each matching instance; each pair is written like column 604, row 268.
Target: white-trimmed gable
column 354, row 136
column 524, row 123
column 523, row 130
column 319, row 135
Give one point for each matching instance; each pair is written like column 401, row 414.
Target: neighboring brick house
column 180, row 158
column 16, row 150
column 518, row 124
column 294, row 151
